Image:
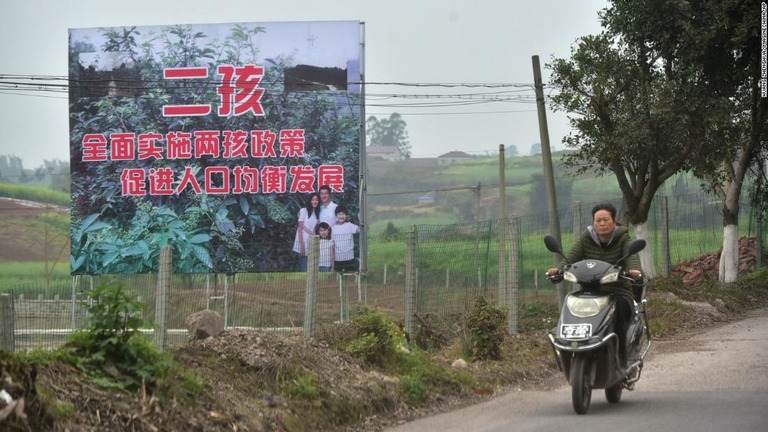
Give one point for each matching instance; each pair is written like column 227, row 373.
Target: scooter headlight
column 586, row 307
column 609, row 278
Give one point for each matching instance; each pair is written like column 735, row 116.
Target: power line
column 51, row 83
column 451, row 189
column 413, row 104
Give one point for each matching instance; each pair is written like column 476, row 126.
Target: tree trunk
column 729, row 259
column 646, row 255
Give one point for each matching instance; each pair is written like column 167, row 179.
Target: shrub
column 112, row 348
column 485, row 325
column 376, row 340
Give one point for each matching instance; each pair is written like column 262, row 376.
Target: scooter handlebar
column 556, row 277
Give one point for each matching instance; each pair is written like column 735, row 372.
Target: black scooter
column 584, row 341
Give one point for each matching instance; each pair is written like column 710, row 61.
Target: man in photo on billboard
column 327, row 206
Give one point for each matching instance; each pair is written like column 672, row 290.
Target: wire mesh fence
column 453, row 265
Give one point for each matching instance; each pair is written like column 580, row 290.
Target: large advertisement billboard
column 217, row 140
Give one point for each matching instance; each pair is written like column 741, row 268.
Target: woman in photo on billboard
column 327, row 247
column 308, row 218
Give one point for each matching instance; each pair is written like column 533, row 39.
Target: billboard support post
column 162, row 297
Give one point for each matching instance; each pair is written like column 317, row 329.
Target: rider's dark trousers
column 623, row 314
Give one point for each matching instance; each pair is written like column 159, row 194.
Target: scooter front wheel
column 613, row 394
column 581, row 384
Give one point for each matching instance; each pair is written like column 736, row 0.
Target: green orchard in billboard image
column 210, row 139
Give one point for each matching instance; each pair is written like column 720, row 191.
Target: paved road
column 715, row 382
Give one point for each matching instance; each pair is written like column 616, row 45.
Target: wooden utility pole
column 549, row 175
column 503, row 289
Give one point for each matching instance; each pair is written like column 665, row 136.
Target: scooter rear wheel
column 581, row 386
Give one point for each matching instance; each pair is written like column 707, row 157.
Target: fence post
column 576, row 210
column 759, row 239
column 514, row 274
column 162, row 297
column 665, row 253
column 577, row 227
column 7, row 342
column 310, row 299
column 410, row 283
column 73, row 322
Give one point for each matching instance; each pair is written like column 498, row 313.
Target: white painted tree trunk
column 729, row 259
column 646, row 255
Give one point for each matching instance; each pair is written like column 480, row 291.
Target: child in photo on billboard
column 326, row 247
column 344, row 241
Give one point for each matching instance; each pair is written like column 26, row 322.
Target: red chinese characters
column 133, row 181
column 303, row 179
column 291, row 142
column 238, row 94
column 238, row 91
column 148, row 147
column 274, row 179
column 94, row 148
column 207, row 143
column 158, row 181
column 221, row 180
column 263, row 143
column 331, row 175
column 123, row 146
column 186, row 110
column 235, row 145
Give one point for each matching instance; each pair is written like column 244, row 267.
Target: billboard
column 210, row 139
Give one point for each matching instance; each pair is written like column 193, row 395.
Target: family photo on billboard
column 229, row 143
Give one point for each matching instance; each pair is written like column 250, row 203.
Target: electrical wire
column 35, row 83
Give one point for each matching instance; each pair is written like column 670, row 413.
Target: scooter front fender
column 580, row 346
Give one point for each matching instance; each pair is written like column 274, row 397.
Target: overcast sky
column 406, row 41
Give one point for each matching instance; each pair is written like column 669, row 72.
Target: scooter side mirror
column 636, row 246
column 552, row 244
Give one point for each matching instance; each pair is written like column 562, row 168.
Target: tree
column 510, row 150
column 389, row 132
column 634, row 114
column 536, row 149
column 719, row 42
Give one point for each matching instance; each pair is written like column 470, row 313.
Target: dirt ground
column 239, row 370
column 23, row 243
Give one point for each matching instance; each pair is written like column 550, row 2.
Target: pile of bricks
column 708, row 265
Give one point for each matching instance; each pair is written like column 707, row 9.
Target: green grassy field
column 34, row 193
column 19, row 274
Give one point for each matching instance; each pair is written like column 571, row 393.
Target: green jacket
column 588, row 246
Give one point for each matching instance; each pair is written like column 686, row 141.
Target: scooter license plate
column 576, row 331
